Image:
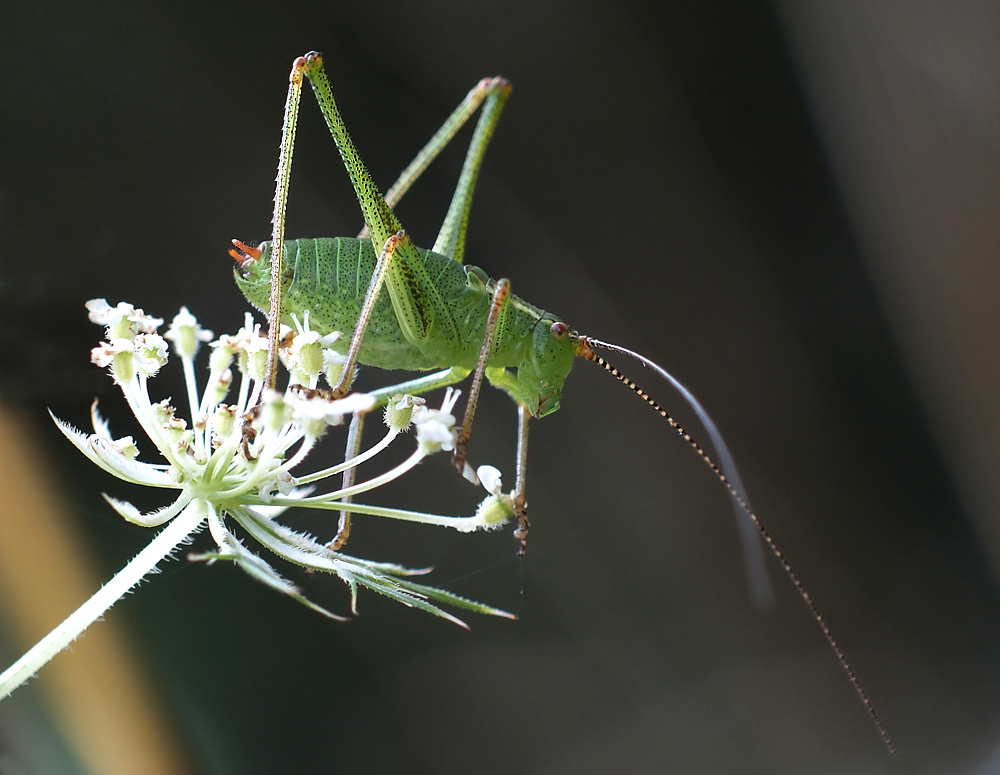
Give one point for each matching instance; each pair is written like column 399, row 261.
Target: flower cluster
column 238, row 463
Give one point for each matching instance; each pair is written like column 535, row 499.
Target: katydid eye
column 559, row 330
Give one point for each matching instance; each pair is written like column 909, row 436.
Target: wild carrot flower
column 238, row 463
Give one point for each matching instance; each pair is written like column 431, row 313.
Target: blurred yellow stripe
column 96, row 693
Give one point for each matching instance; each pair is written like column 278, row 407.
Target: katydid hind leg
column 493, row 91
column 451, row 239
column 379, row 218
column 416, row 299
column 277, row 239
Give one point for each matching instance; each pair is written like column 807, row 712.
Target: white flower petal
column 150, row 353
column 104, row 354
column 490, row 478
column 98, row 310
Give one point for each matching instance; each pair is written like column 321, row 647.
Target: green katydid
column 439, row 313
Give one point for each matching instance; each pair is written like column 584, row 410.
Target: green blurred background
column 792, row 206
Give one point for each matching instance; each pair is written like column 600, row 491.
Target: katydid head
column 541, row 376
column 253, row 275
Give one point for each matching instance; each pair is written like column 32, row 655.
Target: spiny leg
column 415, row 297
column 371, row 296
column 504, row 380
column 412, row 387
column 277, row 241
column 451, row 239
column 379, row 218
column 495, row 91
column 353, row 448
column 378, row 215
column 520, row 498
column 278, row 218
column 501, row 295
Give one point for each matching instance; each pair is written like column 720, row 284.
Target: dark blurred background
column 792, row 206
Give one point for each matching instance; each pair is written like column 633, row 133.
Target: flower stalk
column 238, row 463
column 176, row 533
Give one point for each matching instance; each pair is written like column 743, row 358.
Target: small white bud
column 399, row 411
column 275, row 410
column 150, row 353
column 495, row 510
column 163, row 412
column 256, row 350
column 307, row 354
column 125, row 447
column 223, row 422
column 186, row 334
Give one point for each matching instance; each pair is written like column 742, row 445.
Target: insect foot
column 233, row 465
column 521, row 531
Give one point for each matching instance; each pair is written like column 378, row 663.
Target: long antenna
column 733, row 484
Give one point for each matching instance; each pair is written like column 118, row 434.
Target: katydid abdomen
column 327, row 277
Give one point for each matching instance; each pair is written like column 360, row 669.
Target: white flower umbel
column 237, row 460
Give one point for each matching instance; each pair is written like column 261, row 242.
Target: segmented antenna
column 585, row 349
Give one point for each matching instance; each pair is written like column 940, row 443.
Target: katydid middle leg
column 382, row 396
column 499, row 378
column 504, row 380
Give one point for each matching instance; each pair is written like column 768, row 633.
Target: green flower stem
column 371, row 484
column 191, row 383
column 137, row 396
column 461, row 524
column 354, row 461
column 185, row 524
